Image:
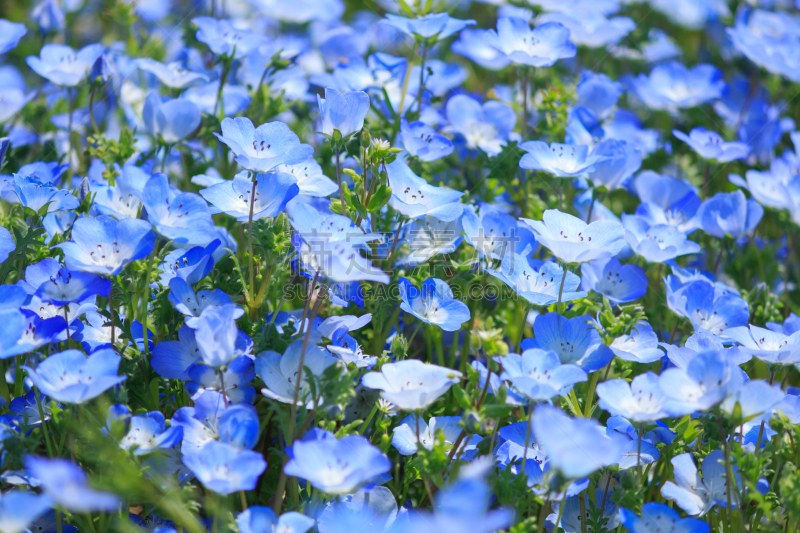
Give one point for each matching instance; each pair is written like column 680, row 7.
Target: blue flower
column 212, row 419
column 173, row 75
column 62, row 65
column 617, row 282
column 494, row 233
column 696, row 495
column 707, row 305
column 621, row 161
column 19, row 509
column 575, row 447
column 659, row 518
column 658, row 243
column 49, row 16
column 190, row 265
column 14, row 94
column 433, row 304
column 217, row 335
column 235, row 98
column 273, row 192
column 264, row 148
column 225, row 469
column 422, row 141
column 64, row 286
column 591, row 29
column 729, row 214
column 173, row 359
column 540, row 374
column 598, row 92
column 68, row 485
column 374, row 509
column 767, row 41
column 148, row 432
column 640, row 346
column 33, row 194
column 192, row 304
column 539, row 284
column 23, row 331
column 343, row 112
column 279, row 372
column 336, row 466
column 413, row 197
column 574, row 340
column 406, row 438
column 233, row 381
column 71, row 377
column 183, row 217
column 223, row 39
column 541, row 46
column 574, row 241
column 310, row 179
column 711, row 146
column 561, row 160
column 427, row 383
column 346, row 349
column 103, row 245
column 27, row 407
column 10, row 34
column 259, row 519
column 486, row 126
column 432, row 27
column 774, row 347
column 427, row 237
column 706, row 381
column 476, row 45
column 753, row 399
column 642, row 400
column 170, row 120
column 672, row 86
column 666, row 200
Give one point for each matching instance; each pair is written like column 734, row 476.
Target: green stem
column 365, row 425
column 587, row 407
column 44, row 426
column 561, row 289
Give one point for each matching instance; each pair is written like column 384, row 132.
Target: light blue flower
column 183, row 217
column 642, row 400
column 475, row 45
column 413, row 197
column 171, row 120
column 336, row 466
column 433, row 304
column 19, row 509
column 35, row 195
column 560, row 160
column 666, row 200
column 71, row 377
column 13, row 94
column 374, row 510
column 659, row 518
column 540, row 284
column 540, row 375
column 672, row 86
column 273, row 192
column 617, row 282
column 621, row 161
column 68, row 485
column 173, row 75
column 259, row 519
column 574, row 340
column 406, row 438
column 598, row 93
column 729, row 214
column 486, row 126
column 574, row 241
column 640, row 346
column 774, row 347
column 426, row 238
column 49, row 16
column 432, row 27
column 148, row 432
column 280, row 372
column 62, row 65
column 264, row 148
column 591, row 29
column 768, row 40
column 214, row 420
column 64, row 286
column 10, row 34
column 494, row 233
column 342, row 112
column 708, row 306
column 422, row 141
column 754, row 399
column 217, row 335
column 706, row 381
column 191, row 304
column 696, row 495
column 310, row 179
column 541, row 46
column 235, row 98
column 225, row 469
column 709, row 145
column 411, row 385
column 190, row 265
column 658, row 243
column 233, row 380
column 223, row 39
column 626, row 126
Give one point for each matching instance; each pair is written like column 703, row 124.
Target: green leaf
column 379, row 199
column 462, row 398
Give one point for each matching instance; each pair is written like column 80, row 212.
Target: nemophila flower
column 541, row 46
column 49, row 17
column 432, row 27
column 591, row 29
column 540, row 374
column 259, row 519
column 709, row 145
column 617, row 282
column 621, row 161
column 64, row 286
column 19, row 509
column 336, row 466
column 272, row 192
column 68, row 485
column 190, row 265
column 310, row 179
column 264, row 148
column 753, row 399
column 420, row 140
column 61, row 65
column 320, row 228
column 411, row 385
column 634, row 455
column 233, row 381
column 173, row 75
column 170, row 120
column 373, row 510
column 23, row 331
column 235, row 98
column 666, row 200
column 342, row 112
column 488, row 126
column 427, row 237
column 281, row 372
column 346, row 349
column 768, row 39
column 183, row 217
column 13, row 93
column 192, row 304
column 6, row 244
column 103, row 245
column 337, row 260
column 575, row 447
column 35, row 195
column 217, row 336
column 574, row 241
column 475, row 45
column 696, row 495
column 96, row 333
column 10, row 34
column 772, row 347
column 598, row 92
column 705, row 382
column 414, row 197
column 658, row 243
column 659, row 518
column 71, row 377
column 642, row 400
column 27, row 407
column 405, row 437
column 574, row 340
column 707, row 306
column 560, row 160
column 213, row 420
column 729, row 214
column 224, row 39
column 343, row 323
column 641, row 346
column 672, row 86
column 539, row 284
column 433, row 304
column 225, row 469
column 494, row 233
column 148, row 432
